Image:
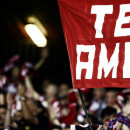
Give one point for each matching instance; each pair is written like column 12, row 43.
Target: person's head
column 18, row 115
column 98, row 93
column 32, row 106
column 35, row 107
column 63, row 100
column 63, row 94
column 2, row 114
column 44, row 85
column 63, row 89
column 50, row 90
column 110, row 98
column 107, row 114
column 15, row 72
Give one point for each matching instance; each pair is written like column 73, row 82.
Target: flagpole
column 85, row 110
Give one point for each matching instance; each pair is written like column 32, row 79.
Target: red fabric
column 27, row 69
column 71, row 117
column 85, row 90
column 121, row 98
column 72, row 97
column 10, row 64
column 78, row 26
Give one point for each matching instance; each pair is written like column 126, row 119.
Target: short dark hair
column 3, row 106
column 108, row 111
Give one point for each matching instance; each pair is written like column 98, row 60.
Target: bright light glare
column 35, row 20
column 36, row 35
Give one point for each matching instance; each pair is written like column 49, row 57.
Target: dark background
column 14, row 40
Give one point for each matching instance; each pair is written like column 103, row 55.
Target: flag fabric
column 97, row 35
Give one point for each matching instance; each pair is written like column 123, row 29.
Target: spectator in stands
column 3, row 110
column 110, row 98
column 107, row 114
column 98, row 103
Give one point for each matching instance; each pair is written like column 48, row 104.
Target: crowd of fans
column 56, row 107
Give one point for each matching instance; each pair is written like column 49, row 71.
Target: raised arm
column 30, row 88
column 1, row 99
column 53, row 116
column 126, row 113
column 26, row 112
column 9, row 108
column 44, row 55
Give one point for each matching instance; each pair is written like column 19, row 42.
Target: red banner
column 97, row 34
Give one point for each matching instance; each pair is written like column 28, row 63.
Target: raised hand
column 9, row 99
column 44, row 53
column 21, row 90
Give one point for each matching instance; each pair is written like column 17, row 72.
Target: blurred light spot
column 35, row 20
column 36, row 35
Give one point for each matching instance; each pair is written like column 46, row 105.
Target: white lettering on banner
column 108, row 66
column 100, row 11
column 103, row 61
column 104, row 64
column 85, row 65
column 122, row 20
column 126, row 67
